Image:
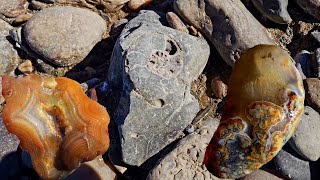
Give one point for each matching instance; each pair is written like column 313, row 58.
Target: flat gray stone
column 260, row 175
column 150, row 76
column 291, row 166
column 186, row 160
column 64, row 35
column 227, row 24
column 274, row 10
column 311, row 7
column 8, row 142
column 13, row 8
column 312, row 88
column 306, row 138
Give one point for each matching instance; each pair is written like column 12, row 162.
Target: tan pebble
column 138, row 4
column 193, row 31
column 26, row 67
column 176, row 23
column 22, row 18
column 219, row 88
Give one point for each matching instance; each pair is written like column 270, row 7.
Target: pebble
column 305, row 140
column 316, row 35
column 150, row 75
column 37, row 5
column 316, row 63
column 8, row 142
column 13, row 8
column 260, row 175
column 79, row 31
column 227, row 24
column 8, row 55
column 22, row 18
column 274, row 10
column 219, row 89
column 185, row 161
column 312, row 86
column 176, row 23
column 291, row 166
column 138, row 4
column 310, row 6
column 26, row 67
column 114, row 5
column 303, row 64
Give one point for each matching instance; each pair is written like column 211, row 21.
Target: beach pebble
column 312, row 89
column 175, row 22
column 150, row 76
column 311, row 7
column 274, row 10
column 79, row 31
column 305, row 140
column 138, row 4
column 13, row 8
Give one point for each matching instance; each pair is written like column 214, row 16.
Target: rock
column 176, row 23
column 260, row 175
column 26, row 67
column 150, row 76
column 312, row 87
column 311, row 7
column 138, row 4
column 303, row 64
column 186, row 160
column 8, row 142
column 22, row 18
column 8, row 55
column 227, row 24
column 306, row 138
column 219, row 88
column 13, row 8
column 316, row 35
column 37, row 5
column 79, row 31
column 274, row 10
column 291, row 166
column 316, row 63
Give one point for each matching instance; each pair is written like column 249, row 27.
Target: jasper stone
column 274, row 10
column 306, row 138
column 150, row 76
column 291, row 166
column 13, row 8
column 185, row 161
column 64, row 35
column 227, row 24
column 312, row 86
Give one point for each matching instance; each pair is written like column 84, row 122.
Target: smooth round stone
column 12, row 8
column 291, row 166
column 64, row 35
column 306, row 138
column 312, row 87
column 260, row 175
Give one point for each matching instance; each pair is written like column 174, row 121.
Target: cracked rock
column 150, row 75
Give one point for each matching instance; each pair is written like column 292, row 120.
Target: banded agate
column 56, row 123
column 263, row 108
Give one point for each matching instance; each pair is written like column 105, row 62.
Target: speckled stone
column 13, row 8
column 312, row 87
column 186, row 160
column 78, row 32
column 306, row 138
column 291, row 166
column 8, row 142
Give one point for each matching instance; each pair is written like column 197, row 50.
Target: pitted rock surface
column 306, row 138
column 64, row 35
column 186, row 160
column 151, row 71
column 312, row 86
column 13, row 8
column 227, row 24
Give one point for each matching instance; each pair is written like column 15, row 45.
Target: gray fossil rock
column 150, row 76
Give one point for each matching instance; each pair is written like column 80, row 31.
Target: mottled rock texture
column 150, row 75
column 13, row 8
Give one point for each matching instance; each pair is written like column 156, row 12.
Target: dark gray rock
column 312, row 87
column 311, row 7
column 291, row 166
column 303, row 64
column 227, row 24
column 13, row 8
column 306, row 138
column 64, row 35
column 186, row 160
column 316, row 35
column 150, row 74
column 316, row 63
column 274, row 10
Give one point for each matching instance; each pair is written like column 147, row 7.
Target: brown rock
column 138, row 4
column 219, row 88
column 13, row 8
column 38, row 5
column 312, row 86
column 310, row 6
column 26, row 67
column 176, row 23
column 22, row 18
